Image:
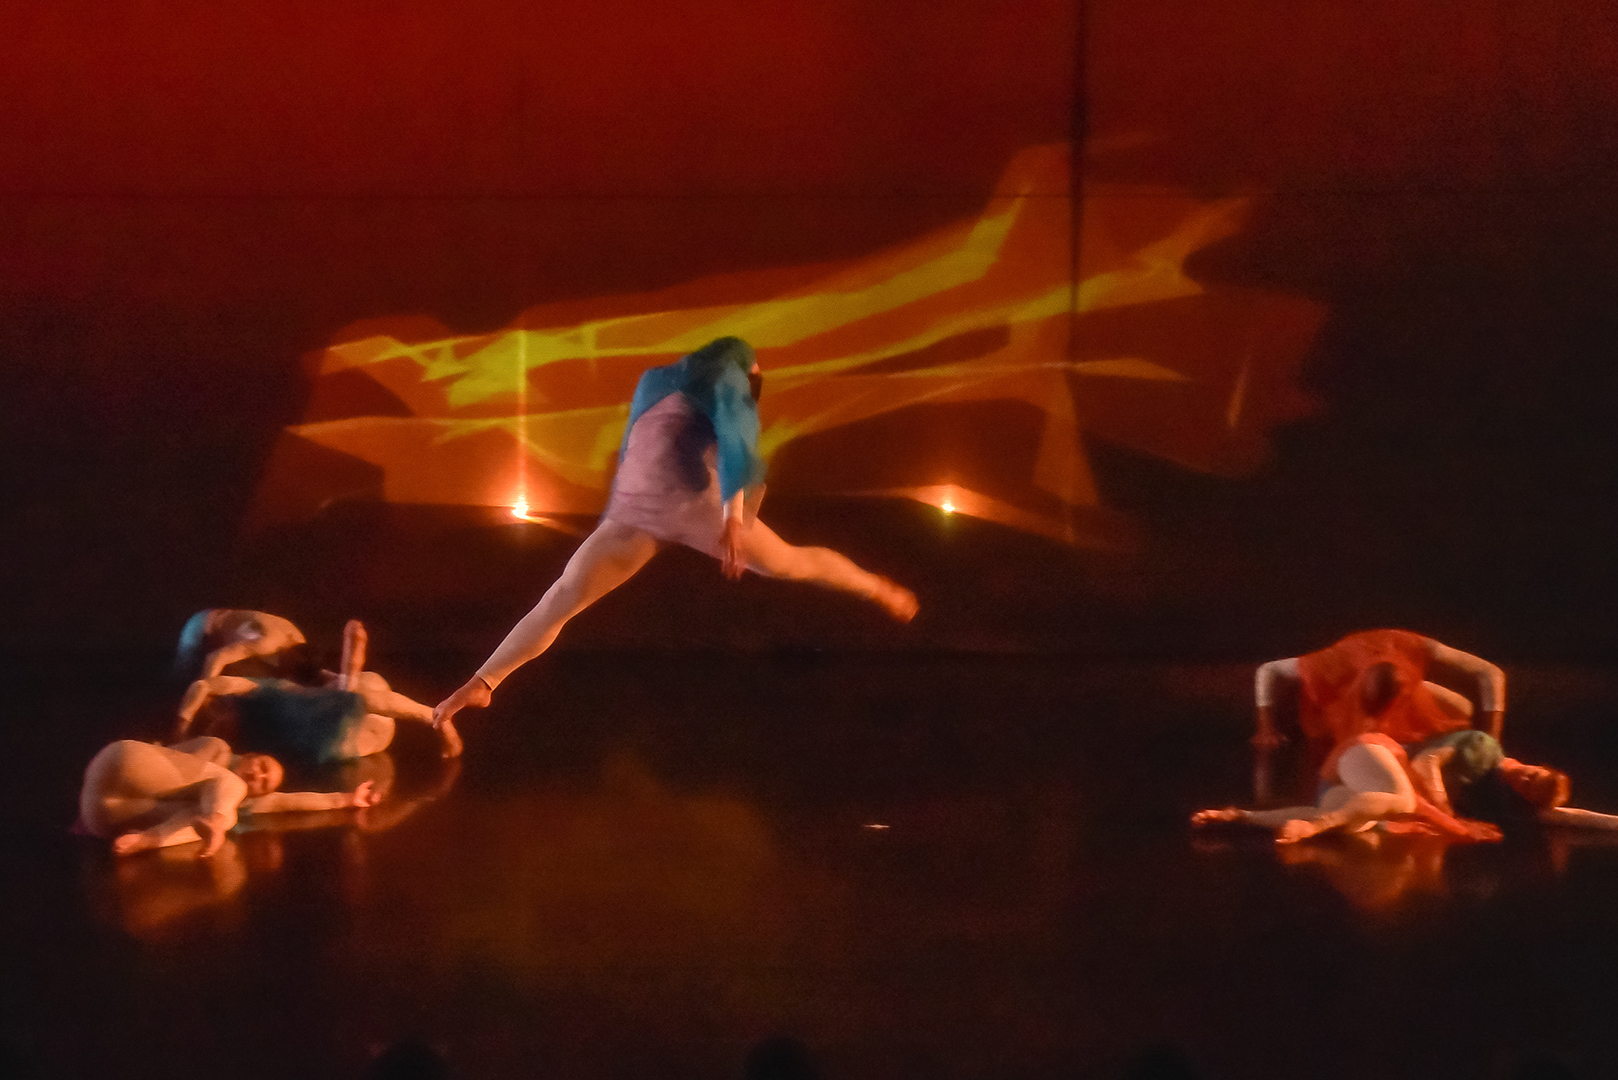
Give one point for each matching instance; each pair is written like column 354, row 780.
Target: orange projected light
column 956, row 370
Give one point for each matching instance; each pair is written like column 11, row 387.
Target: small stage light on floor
column 520, row 509
column 947, row 506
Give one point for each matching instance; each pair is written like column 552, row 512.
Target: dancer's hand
column 212, row 829
column 734, row 562
column 365, row 795
column 474, row 694
column 1265, row 737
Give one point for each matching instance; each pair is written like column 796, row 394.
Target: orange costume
column 1332, row 705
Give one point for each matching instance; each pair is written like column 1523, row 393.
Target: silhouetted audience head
column 780, row 1058
column 1161, row 1062
column 11, row 1062
column 408, row 1059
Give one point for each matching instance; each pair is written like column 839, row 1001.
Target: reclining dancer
column 689, row 473
column 313, row 725
column 1426, row 789
column 214, row 639
column 139, row 795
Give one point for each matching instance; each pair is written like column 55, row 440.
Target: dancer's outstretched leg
column 768, row 554
column 383, row 708
column 607, row 558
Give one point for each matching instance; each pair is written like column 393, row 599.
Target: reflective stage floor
column 920, row 867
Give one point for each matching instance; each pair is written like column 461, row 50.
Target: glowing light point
column 520, row 508
column 947, row 506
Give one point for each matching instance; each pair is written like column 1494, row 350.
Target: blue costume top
column 714, row 380
column 306, row 724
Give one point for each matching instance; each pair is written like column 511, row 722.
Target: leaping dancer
column 689, row 473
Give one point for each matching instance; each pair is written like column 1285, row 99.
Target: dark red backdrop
column 193, row 196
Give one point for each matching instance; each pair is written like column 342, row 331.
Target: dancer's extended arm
column 198, row 693
column 1264, row 683
column 1491, row 683
column 279, row 801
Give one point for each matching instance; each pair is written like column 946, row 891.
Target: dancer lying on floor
column 1368, row 782
column 141, row 796
column 689, row 473
column 1459, row 785
column 1339, row 684
column 311, row 725
column 214, row 639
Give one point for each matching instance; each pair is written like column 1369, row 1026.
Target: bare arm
column 1491, row 682
column 198, row 693
column 1427, row 775
column 1579, row 819
column 1264, row 682
column 278, row 801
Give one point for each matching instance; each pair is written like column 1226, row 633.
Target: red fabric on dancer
column 1333, row 704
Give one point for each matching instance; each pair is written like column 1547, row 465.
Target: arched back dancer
column 689, row 473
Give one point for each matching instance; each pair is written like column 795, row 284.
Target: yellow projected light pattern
column 890, row 375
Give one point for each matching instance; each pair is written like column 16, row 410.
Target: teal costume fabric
column 305, row 724
column 714, row 380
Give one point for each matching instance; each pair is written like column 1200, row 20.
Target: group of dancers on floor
column 1404, row 752
column 1401, row 752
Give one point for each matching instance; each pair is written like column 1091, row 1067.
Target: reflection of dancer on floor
column 143, row 796
column 689, row 473
column 312, row 725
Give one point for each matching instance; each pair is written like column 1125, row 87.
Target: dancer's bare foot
column 1210, row 817
column 473, row 694
column 895, row 599
column 1295, row 830
column 450, row 738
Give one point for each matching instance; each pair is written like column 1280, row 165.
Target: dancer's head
column 262, row 773
column 1380, row 686
column 1543, row 787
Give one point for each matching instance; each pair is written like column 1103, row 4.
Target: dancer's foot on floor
column 896, row 600
column 1210, row 817
column 473, row 694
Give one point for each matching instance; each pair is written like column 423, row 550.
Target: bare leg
column 383, row 707
column 353, row 663
column 772, row 556
column 1579, row 819
column 607, row 558
column 1374, row 787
